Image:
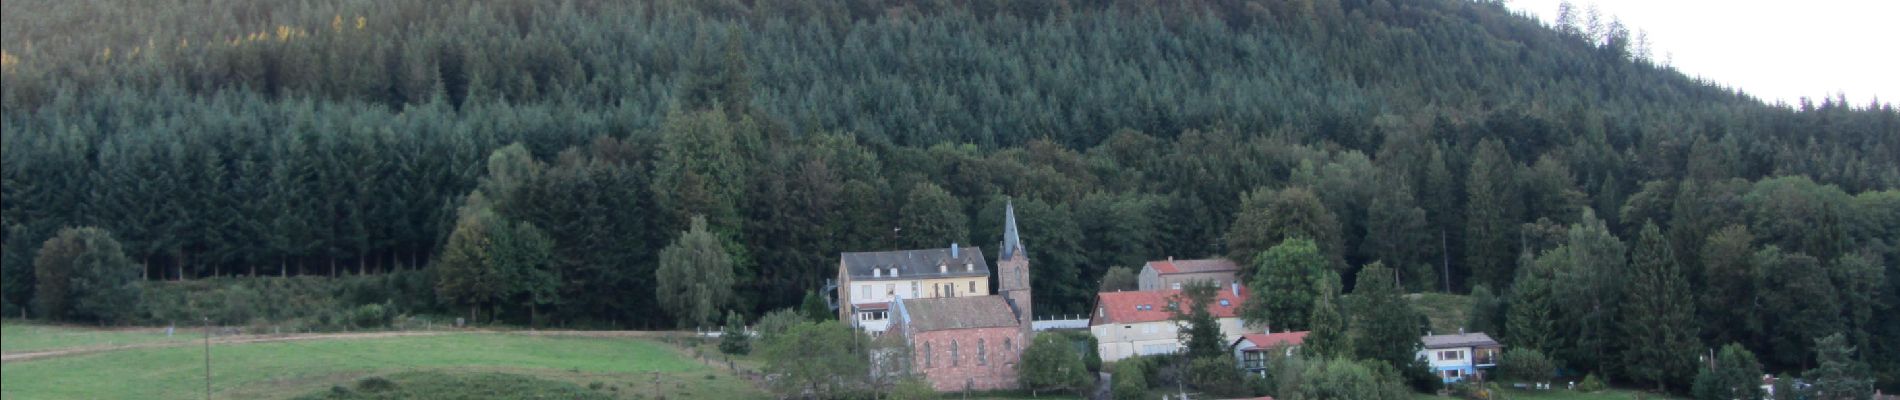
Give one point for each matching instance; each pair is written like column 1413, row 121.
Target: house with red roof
column 1127, row 324
column 1170, row 274
column 1254, row 349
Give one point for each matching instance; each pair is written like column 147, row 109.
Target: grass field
column 18, row 336
column 1514, row 394
column 622, row 366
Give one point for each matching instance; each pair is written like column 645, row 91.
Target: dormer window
column 943, row 268
column 877, row 272
column 969, row 267
column 1225, row 303
column 893, row 272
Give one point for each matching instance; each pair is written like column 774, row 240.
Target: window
column 865, row 291
column 893, row 272
column 953, row 353
column 1008, row 347
column 1452, row 355
column 1453, row 374
column 1177, row 286
column 877, row 272
column 1225, row 303
column 913, row 290
column 929, row 359
column 972, row 286
column 982, row 352
column 891, row 288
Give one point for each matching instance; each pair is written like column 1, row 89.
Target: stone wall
column 954, row 360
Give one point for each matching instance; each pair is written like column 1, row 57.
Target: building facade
column 1127, row 324
column 961, row 343
column 1171, row 275
column 1459, row 357
column 869, row 281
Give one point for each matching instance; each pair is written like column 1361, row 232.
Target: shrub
column 1590, row 384
column 375, row 384
column 777, row 322
column 1130, row 380
column 1218, row 376
column 1526, row 365
column 369, row 316
column 734, row 339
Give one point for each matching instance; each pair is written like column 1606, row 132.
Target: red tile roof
column 1273, row 339
column 1172, row 266
column 1152, row 305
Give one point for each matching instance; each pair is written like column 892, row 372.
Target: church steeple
column 1012, row 267
column 1012, row 241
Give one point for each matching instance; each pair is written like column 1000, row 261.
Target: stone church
column 972, row 342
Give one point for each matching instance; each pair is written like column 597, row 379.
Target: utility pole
column 207, row 358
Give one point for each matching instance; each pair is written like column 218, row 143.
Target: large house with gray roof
column 869, row 281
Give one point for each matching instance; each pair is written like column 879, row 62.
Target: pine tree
column 1659, row 322
column 1384, row 325
column 1840, row 376
column 1532, row 322
column 1328, row 336
column 1488, row 224
column 1736, row 376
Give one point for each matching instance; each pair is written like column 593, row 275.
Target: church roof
column 944, row 313
column 916, row 264
column 1012, row 241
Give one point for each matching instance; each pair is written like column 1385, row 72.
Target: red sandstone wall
column 966, row 373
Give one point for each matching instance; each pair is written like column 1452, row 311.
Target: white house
column 1127, row 324
column 1458, row 357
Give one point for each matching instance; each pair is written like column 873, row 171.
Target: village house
column 1255, row 349
column 869, row 281
column 1127, row 324
column 962, row 340
column 1171, row 274
column 1462, row 356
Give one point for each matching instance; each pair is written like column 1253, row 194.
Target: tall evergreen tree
column 1489, row 222
column 1659, row 320
column 1839, row 375
column 1328, row 336
column 1384, row 325
column 1590, row 285
column 1532, row 321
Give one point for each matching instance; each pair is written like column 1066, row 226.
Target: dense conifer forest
column 540, row 160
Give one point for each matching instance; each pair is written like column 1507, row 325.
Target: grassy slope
column 1447, row 311
column 18, row 336
column 282, row 369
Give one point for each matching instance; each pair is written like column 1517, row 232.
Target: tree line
column 1459, row 145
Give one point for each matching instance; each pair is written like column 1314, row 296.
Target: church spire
column 1012, row 241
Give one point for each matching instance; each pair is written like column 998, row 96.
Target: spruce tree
column 1531, row 323
column 1659, row 322
column 1488, row 222
column 1328, row 336
column 1839, row 376
column 1384, row 325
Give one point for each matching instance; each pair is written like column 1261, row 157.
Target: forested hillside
column 1450, row 139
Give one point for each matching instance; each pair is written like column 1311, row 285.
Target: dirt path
column 238, row 339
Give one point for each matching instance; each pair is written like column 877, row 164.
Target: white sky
column 1774, row 50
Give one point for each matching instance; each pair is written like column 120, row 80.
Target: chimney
column 953, row 249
